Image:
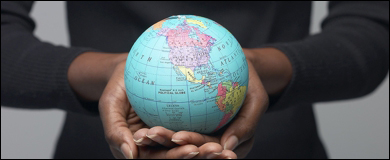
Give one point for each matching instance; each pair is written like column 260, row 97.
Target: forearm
column 273, row 67
column 89, row 73
column 348, row 59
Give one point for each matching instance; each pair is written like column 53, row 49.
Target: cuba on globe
column 186, row 72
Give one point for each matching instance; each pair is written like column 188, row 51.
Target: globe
column 186, row 72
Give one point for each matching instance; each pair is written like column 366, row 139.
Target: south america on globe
column 186, row 72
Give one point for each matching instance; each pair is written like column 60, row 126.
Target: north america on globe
column 186, row 72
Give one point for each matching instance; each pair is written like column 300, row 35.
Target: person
column 289, row 71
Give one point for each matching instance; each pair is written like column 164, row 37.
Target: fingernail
column 156, row 138
column 139, row 140
column 228, row 158
column 131, row 155
column 191, row 155
column 126, row 151
column 150, row 136
column 231, row 143
column 213, row 155
column 217, row 153
column 176, row 140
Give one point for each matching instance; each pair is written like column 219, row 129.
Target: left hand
column 238, row 135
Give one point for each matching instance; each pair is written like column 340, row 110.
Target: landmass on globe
column 186, row 72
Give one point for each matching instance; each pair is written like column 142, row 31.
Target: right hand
column 237, row 136
column 273, row 67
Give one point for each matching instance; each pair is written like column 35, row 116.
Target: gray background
column 357, row 128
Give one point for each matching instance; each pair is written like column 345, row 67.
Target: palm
column 134, row 123
column 120, row 122
column 243, row 125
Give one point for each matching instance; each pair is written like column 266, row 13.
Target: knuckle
column 213, row 147
column 113, row 138
column 248, row 130
column 109, row 136
column 190, row 148
column 157, row 129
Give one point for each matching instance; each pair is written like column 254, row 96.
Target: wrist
column 273, row 67
column 115, row 60
column 89, row 73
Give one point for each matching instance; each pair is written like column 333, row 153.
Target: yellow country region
column 193, row 21
column 189, row 74
column 235, row 97
column 158, row 25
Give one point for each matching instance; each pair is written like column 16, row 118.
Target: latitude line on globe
column 188, row 66
column 176, row 102
column 211, row 76
column 179, row 36
column 185, row 85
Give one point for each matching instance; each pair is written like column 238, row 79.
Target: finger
column 118, row 135
column 209, row 150
column 244, row 148
column 121, row 140
column 255, row 104
column 113, row 109
column 117, row 153
column 186, row 152
column 161, row 135
column 179, row 152
column 227, row 154
column 186, row 137
column 141, row 139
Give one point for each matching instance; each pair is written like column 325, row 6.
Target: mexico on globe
column 186, row 72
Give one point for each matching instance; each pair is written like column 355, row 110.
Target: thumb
column 117, row 132
column 121, row 144
column 124, row 142
column 114, row 107
column 244, row 124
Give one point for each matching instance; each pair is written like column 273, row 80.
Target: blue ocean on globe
column 186, row 72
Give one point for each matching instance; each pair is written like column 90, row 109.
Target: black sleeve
column 34, row 73
column 348, row 59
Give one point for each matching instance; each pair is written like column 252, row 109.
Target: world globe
column 186, row 72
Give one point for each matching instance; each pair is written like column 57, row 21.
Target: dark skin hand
column 99, row 76
column 273, row 67
column 120, row 122
column 275, row 72
column 236, row 136
column 92, row 73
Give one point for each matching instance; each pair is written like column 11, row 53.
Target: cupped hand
column 120, row 122
column 161, row 137
column 237, row 136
